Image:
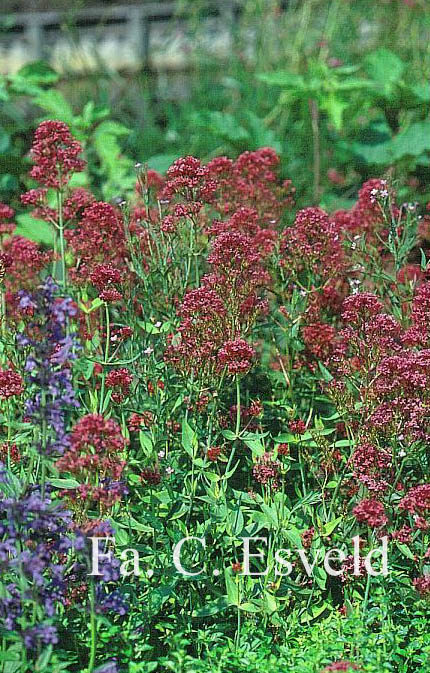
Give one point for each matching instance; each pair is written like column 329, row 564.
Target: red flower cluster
column 150, row 476
column 213, row 453
column 307, row 536
column 312, row 246
column 372, row 466
column 137, row 422
column 237, row 356
column 104, row 277
column 11, row 384
column 99, row 239
column 298, row 427
column 319, row 339
column 9, row 450
column 119, row 380
column 6, row 213
column 419, row 332
column 359, row 308
column 266, row 470
column 283, row 449
column 216, row 315
column 340, row 666
column 25, row 261
column 56, row 155
column 422, row 585
column 189, row 178
column 73, row 206
column 370, row 512
column 417, row 500
column 96, row 445
column 251, row 181
column 367, row 215
column 245, row 221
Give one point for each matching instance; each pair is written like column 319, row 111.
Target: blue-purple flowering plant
column 50, row 346
column 43, row 559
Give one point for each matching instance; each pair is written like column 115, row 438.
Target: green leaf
column 329, row 527
column 405, row 550
column 146, row 442
column 379, row 154
column 34, row 229
column 227, row 127
column 385, row 68
column 218, row 605
column 189, row 439
column 43, row 659
column 5, row 140
column 422, row 91
column 38, row 72
column 313, row 612
column 325, row 372
column 271, row 604
column 249, row 607
column 234, row 595
column 161, row 162
column 117, row 167
column 335, row 107
column 413, row 141
column 64, row 483
column 282, row 78
column 53, row 101
column 293, row 535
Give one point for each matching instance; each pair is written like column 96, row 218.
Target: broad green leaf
column 34, row 229
column 384, row 67
column 161, row 162
column 249, row 607
column 413, row 141
column 38, row 72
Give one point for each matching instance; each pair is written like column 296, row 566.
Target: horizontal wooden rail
column 41, row 35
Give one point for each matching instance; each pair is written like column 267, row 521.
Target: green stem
column 3, row 313
column 93, row 631
column 237, row 406
column 106, row 358
column 61, row 239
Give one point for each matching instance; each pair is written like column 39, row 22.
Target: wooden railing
column 130, row 30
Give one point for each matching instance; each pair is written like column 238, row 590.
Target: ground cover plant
column 203, row 359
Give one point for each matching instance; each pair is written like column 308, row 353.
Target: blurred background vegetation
column 339, row 88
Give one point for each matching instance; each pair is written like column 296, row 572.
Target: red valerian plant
column 119, row 380
column 96, row 459
column 220, row 366
column 370, row 512
column 56, row 155
column 98, row 240
column 312, row 246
